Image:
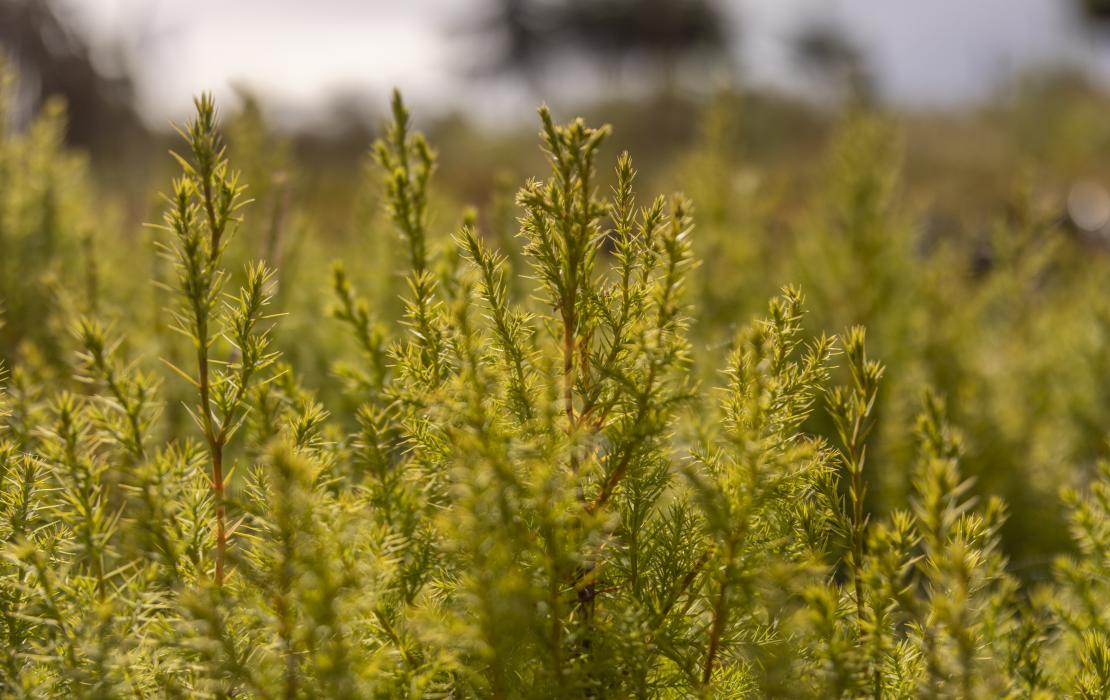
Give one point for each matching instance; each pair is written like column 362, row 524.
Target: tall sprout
column 202, row 216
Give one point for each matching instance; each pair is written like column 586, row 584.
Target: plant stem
column 857, row 532
column 218, row 492
column 215, row 441
column 568, row 365
column 720, row 613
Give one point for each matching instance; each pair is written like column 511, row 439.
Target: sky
column 300, row 54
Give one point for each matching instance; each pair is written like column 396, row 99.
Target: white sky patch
column 297, row 53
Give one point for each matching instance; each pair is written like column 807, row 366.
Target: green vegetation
column 550, row 459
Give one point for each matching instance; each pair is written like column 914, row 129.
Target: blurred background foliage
column 972, row 242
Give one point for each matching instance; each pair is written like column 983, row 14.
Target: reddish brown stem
column 720, row 613
column 568, row 369
column 218, row 491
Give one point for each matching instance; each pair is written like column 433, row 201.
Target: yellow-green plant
column 526, row 491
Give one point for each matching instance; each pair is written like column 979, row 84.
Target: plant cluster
column 527, row 489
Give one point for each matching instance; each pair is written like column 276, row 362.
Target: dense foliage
column 563, row 472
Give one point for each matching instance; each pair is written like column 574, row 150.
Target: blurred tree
column 1096, row 10
column 662, row 32
column 837, row 63
column 53, row 59
column 519, row 25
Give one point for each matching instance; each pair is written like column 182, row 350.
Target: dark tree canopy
column 837, row 63
column 1096, row 10
column 533, row 31
column 54, row 60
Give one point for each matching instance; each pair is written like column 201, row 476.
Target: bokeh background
column 962, row 77
column 319, row 73
column 937, row 171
